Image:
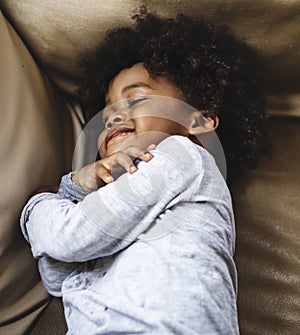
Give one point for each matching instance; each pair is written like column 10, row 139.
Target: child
column 151, row 251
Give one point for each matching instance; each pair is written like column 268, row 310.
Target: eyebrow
column 139, row 84
column 136, row 85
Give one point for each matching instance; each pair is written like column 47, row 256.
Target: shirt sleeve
column 53, row 273
column 108, row 220
column 70, row 190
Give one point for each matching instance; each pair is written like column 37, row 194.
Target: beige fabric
column 52, row 321
column 267, row 209
column 35, row 133
column 59, row 31
column 285, row 104
column 266, row 201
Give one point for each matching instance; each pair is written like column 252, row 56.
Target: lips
column 117, row 132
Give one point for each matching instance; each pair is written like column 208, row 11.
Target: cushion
column 36, row 139
column 52, row 321
column 266, row 200
column 266, row 203
column 60, row 31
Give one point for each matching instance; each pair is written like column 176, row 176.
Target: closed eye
column 131, row 103
column 136, row 101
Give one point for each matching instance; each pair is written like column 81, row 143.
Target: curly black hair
column 216, row 72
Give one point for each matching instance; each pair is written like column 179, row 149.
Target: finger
column 151, row 147
column 137, row 152
column 125, row 161
column 102, row 174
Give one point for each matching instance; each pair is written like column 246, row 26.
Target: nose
column 115, row 119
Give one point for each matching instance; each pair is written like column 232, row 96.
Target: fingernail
column 133, row 168
column 152, row 146
column 108, row 178
column 147, row 154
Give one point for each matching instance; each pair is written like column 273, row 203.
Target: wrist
column 70, row 189
column 75, row 179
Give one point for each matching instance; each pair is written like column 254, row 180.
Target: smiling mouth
column 118, row 133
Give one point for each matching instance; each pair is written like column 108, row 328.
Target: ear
column 201, row 124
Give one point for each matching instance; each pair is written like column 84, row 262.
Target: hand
column 102, row 172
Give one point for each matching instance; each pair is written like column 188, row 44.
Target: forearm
column 59, row 229
column 53, row 274
column 110, row 219
column 71, row 191
column 70, row 232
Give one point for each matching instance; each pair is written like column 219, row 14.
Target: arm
column 53, row 273
column 110, row 219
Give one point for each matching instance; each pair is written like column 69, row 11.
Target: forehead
column 138, row 76
column 137, row 73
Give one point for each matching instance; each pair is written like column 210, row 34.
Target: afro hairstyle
column 217, row 73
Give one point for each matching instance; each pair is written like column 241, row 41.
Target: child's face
column 137, row 114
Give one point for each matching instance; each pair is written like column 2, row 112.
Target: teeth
column 124, row 133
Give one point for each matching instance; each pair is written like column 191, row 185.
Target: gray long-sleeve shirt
column 150, row 253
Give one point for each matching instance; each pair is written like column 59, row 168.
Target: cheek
column 162, row 114
column 101, row 144
column 145, row 123
column 159, row 124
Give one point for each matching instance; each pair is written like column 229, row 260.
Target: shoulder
column 192, row 158
column 176, row 140
column 183, row 149
column 211, row 159
column 179, row 160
